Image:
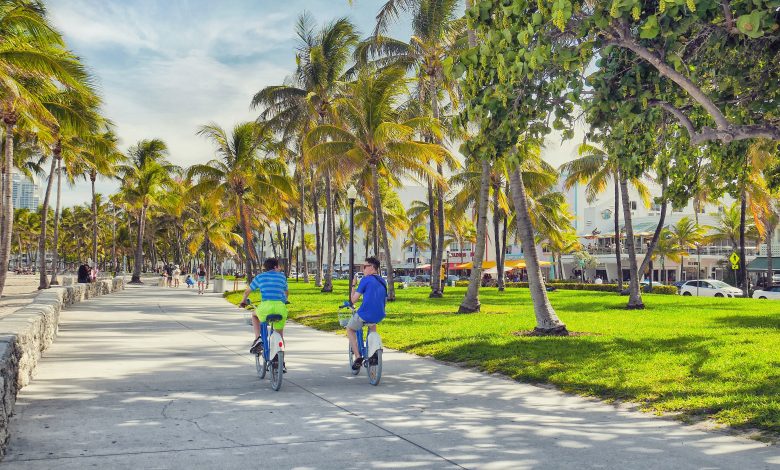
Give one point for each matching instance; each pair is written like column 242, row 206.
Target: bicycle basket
column 344, row 318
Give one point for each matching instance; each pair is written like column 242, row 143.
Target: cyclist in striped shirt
column 272, row 284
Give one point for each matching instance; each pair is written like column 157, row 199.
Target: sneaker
column 357, row 364
column 257, row 346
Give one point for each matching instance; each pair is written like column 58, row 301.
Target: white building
column 25, row 192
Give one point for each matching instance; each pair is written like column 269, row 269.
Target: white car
column 709, row 288
column 770, row 293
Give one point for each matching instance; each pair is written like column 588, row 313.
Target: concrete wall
column 27, row 332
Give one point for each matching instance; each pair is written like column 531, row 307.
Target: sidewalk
column 160, row 378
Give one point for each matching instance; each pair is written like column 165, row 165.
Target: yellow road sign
column 734, row 258
column 735, row 267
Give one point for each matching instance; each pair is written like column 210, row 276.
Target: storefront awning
column 761, row 264
column 509, row 264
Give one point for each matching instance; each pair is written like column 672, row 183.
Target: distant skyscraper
column 25, row 194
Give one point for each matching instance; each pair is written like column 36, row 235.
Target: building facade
column 25, row 192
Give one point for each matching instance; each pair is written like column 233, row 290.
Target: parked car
column 452, row 278
column 423, row 278
column 770, row 293
column 406, row 279
column 709, row 288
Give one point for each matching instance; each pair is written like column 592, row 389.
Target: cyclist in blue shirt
column 273, row 294
column 373, row 289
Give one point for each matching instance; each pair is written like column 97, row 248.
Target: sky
column 165, row 67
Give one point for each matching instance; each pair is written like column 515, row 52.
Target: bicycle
column 271, row 354
column 370, row 349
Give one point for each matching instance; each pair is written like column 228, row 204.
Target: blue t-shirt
column 374, row 290
column 272, row 285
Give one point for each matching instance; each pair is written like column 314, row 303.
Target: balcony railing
column 724, row 251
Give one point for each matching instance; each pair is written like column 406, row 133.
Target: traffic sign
column 734, row 258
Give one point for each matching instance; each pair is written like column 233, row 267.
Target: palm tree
column 436, row 30
column 209, row 227
column 34, row 63
column 667, row 248
column 101, row 157
column 547, row 322
column 373, row 137
column 687, row 235
column 595, row 168
column 144, row 177
column 308, row 100
column 76, row 115
column 240, row 172
column 417, row 239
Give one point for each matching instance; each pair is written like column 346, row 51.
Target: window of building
column 606, row 214
column 633, row 205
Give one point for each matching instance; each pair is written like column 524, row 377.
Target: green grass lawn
column 694, row 357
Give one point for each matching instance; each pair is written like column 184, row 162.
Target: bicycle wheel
column 352, row 361
column 374, row 369
column 260, row 365
column 276, row 371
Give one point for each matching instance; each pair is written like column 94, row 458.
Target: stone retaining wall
column 27, row 332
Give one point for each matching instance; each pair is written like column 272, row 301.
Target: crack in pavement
column 196, row 424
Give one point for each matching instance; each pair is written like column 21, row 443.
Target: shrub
column 657, row 288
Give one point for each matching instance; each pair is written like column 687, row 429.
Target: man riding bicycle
column 373, row 289
column 273, row 293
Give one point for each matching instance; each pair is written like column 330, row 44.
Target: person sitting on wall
column 83, row 273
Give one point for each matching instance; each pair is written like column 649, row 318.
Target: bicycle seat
column 273, row 318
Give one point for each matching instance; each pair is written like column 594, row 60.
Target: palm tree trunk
column 618, row 254
column 497, row 239
column 654, row 241
column 560, row 266
column 743, row 282
column 303, row 230
column 770, row 232
column 328, row 285
column 547, row 322
column 43, row 279
column 375, row 233
column 470, row 302
column 55, row 252
column 139, row 248
column 207, row 259
column 114, row 268
column 93, row 177
column 247, row 240
column 317, row 243
column 431, row 228
column 502, row 263
column 381, row 221
column 635, row 297
column 7, row 225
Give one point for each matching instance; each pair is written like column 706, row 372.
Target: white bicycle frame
column 374, row 343
column 275, row 344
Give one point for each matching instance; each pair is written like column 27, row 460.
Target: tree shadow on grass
column 607, row 368
column 771, row 322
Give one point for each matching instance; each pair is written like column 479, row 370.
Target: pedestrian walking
column 201, row 279
column 176, row 275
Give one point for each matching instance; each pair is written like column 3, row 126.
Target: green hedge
column 657, row 288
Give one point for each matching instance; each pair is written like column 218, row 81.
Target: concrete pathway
column 159, row 378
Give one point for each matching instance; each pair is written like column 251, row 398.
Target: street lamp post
column 297, row 264
column 341, row 263
column 351, row 195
